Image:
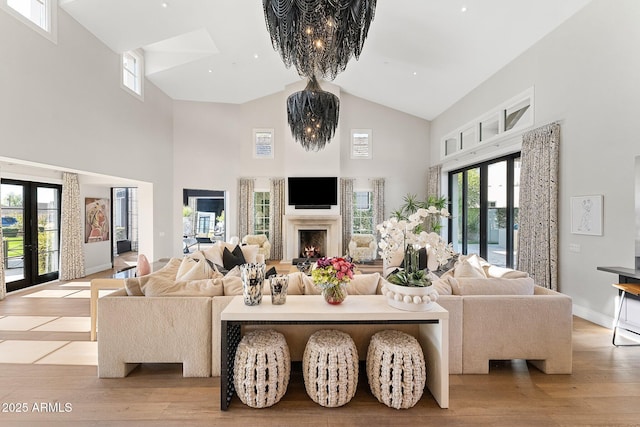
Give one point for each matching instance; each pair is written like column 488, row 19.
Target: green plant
column 417, row 278
column 186, row 211
column 412, row 204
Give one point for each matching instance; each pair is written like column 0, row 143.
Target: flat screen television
column 313, row 192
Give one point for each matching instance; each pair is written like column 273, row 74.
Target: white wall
column 585, row 75
column 61, row 105
column 213, row 148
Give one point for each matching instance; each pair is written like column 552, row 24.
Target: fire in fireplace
column 312, row 243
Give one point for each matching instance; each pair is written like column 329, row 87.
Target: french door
column 31, row 232
column 484, row 209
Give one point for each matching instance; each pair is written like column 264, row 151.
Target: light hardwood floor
column 603, row 389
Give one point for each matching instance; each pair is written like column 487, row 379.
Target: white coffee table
column 356, row 309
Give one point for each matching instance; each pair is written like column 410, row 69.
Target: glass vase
column 279, row 286
column 252, row 275
column 335, row 294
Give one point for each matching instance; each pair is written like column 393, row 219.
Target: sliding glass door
column 31, row 232
column 484, row 207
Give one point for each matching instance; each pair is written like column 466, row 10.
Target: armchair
column 264, row 247
column 363, row 247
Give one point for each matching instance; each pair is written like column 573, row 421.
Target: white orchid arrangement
column 397, row 232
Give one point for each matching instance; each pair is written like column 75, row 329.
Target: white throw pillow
column 250, row 253
column 363, row 284
column 470, row 266
column 195, row 267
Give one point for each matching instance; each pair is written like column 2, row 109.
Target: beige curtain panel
column 276, row 212
column 72, row 265
column 346, row 210
column 245, row 206
column 538, row 216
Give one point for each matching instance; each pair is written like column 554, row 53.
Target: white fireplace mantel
column 294, row 223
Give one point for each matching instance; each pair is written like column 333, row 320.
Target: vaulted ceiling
column 421, row 56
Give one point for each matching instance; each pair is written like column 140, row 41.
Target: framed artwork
column 96, row 224
column 586, row 215
column 361, row 143
column 263, row 143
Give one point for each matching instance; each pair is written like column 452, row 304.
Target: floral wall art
column 96, row 226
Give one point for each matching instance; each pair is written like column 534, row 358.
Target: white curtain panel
column 3, row 284
column 538, row 217
column 245, row 206
column 71, row 236
column 276, row 212
column 346, row 210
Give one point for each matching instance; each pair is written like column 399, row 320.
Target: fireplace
column 330, row 227
column 312, row 243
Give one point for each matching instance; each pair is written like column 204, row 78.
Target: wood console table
column 357, row 309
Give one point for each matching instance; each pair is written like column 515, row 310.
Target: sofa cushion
column 231, row 259
column 492, row 286
column 187, row 288
column 295, row 286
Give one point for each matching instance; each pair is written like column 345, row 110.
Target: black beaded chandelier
column 318, row 37
column 313, row 116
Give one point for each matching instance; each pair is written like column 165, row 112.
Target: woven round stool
column 395, row 369
column 330, row 368
column 261, row 369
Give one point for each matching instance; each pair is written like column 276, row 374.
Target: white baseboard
column 607, row 322
column 593, row 316
column 98, row 269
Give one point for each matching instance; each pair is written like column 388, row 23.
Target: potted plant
column 410, row 287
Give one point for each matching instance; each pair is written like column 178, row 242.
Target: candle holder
column 252, row 275
column 279, row 287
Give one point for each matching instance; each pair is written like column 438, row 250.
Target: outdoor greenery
column 412, row 204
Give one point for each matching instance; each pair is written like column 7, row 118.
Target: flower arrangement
column 331, row 275
column 406, row 232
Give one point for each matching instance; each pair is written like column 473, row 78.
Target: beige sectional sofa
column 535, row 325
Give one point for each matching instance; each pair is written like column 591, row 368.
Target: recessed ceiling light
column 415, row 73
column 164, row 4
column 255, row 56
column 210, row 70
column 463, row 9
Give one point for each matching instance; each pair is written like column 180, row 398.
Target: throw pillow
column 196, row 268
column 363, row 284
column 214, row 253
column 250, row 253
column 470, row 266
column 232, row 285
column 231, row 259
column 270, row 272
column 142, row 267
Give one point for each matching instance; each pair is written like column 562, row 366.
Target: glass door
column 31, row 232
column 484, row 208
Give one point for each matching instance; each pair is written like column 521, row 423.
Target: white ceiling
column 421, row 56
